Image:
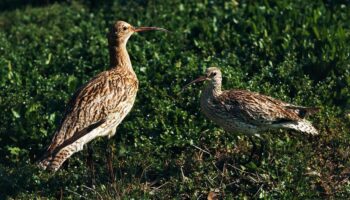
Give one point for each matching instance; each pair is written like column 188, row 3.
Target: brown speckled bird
column 99, row 106
column 248, row 112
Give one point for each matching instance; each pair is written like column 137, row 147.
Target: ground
column 296, row 51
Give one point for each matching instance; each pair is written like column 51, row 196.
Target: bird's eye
column 213, row 74
column 125, row 28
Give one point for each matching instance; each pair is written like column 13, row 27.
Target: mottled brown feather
column 249, row 112
column 255, row 108
column 98, row 107
column 94, row 101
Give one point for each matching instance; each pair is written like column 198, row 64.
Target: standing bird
column 248, row 112
column 99, row 106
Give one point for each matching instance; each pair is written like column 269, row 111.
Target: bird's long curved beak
column 141, row 29
column 199, row 79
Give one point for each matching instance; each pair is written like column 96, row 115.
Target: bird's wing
column 301, row 111
column 91, row 105
column 255, row 108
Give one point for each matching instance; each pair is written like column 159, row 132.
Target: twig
column 92, row 190
column 183, row 175
column 258, row 190
column 144, row 170
column 201, row 149
column 79, row 195
column 157, row 188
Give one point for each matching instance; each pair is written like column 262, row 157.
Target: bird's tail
column 56, row 156
column 53, row 162
column 45, row 163
column 301, row 126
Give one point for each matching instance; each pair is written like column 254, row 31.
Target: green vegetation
column 294, row 50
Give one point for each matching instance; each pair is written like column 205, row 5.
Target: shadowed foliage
column 296, row 51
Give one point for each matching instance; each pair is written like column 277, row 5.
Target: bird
column 100, row 105
column 249, row 113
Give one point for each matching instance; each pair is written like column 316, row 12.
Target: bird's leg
column 262, row 147
column 252, row 151
column 255, row 150
column 109, row 158
column 90, row 163
column 59, row 194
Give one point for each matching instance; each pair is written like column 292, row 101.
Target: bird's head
column 121, row 31
column 212, row 74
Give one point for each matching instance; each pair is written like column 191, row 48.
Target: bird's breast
column 124, row 98
column 210, row 109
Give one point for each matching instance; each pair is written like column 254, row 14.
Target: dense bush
column 297, row 51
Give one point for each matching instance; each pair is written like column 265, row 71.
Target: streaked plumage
column 248, row 112
column 99, row 106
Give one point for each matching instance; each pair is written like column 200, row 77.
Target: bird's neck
column 119, row 57
column 213, row 89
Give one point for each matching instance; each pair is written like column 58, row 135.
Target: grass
column 296, row 51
